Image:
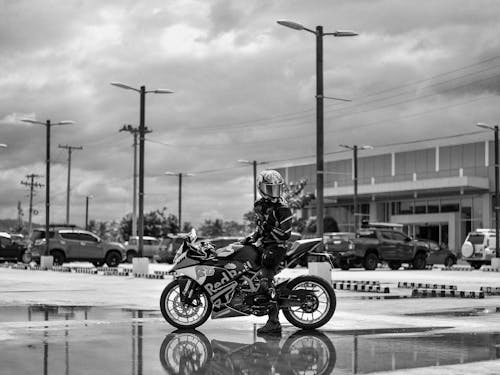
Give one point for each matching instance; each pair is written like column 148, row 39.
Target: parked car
column 337, row 243
column 376, row 244
column 479, row 247
column 168, row 247
column 12, row 250
column 438, row 254
column 68, row 243
column 151, row 247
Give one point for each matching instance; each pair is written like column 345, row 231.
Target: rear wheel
column 130, row 256
column 25, row 257
column 113, row 258
column 419, row 262
column 180, row 314
column 318, row 307
column 370, row 262
column 449, row 261
column 58, row 257
column 476, row 266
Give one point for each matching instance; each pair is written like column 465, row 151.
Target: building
column 439, row 189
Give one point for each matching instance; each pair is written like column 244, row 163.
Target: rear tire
column 419, row 262
column 113, row 258
column 171, row 306
column 320, row 286
column 370, row 262
column 59, row 257
column 449, row 261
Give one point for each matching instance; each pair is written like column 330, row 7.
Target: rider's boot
column 272, row 325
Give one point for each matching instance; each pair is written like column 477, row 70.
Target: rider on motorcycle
column 274, row 226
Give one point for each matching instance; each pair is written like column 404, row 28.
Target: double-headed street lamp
column 319, row 111
column 355, row 149
column 254, row 163
column 180, row 175
column 496, row 206
column 142, row 130
column 48, row 124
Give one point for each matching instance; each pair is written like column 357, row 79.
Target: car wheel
column 419, row 262
column 449, row 261
column 476, row 266
column 25, row 257
column 394, row 265
column 58, row 257
column 130, row 256
column 97, row 263
column 370, row 262
column 113, row 259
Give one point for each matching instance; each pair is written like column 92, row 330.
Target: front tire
column 318, row 310
column 179, row 314
column 58, row 257
column 419, row 262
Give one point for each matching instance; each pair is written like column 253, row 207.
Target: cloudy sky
column 244, row 89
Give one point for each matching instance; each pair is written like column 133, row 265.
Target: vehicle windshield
column 476, row 239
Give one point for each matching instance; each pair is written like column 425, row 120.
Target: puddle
column 138, row 347
column 478, row 311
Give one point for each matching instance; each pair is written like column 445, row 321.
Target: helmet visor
column 272, row 190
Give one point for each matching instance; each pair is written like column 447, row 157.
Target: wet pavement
column 50, row 339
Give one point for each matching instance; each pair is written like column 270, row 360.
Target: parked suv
column 151, row 247
column 70, row 243
column 479, row 247
column 376, row 244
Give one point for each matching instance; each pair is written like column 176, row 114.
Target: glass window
column 492, row 242
column 420, row 207
column 433, row 206
column 70, row 236
column 386, row 235
column 86, row 237
column 398, row 236
column 476, row 239
column 5, row 242
column 450, row 205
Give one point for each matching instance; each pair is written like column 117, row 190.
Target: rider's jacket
column 274, row 222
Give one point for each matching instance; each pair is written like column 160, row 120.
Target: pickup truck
column 374, row 245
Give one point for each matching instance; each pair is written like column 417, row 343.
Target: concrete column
column 373, row 212
column 487, row 204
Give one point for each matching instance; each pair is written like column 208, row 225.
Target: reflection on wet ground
column 137, row 342
column 478, row 311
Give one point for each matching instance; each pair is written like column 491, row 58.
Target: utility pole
column 32, row 185
column 19, row 216
column 70, row 150
column 135, row 132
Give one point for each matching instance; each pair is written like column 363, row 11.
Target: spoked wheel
column 314, row 351
column 185, row 352
column 318, row 307
column 182, row 315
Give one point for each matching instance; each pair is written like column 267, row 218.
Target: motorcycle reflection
column 189, row 352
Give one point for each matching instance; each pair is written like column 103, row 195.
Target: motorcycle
column 224, row 283
column 303, row 352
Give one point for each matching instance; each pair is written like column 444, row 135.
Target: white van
column 151, row 247
column 479, row 247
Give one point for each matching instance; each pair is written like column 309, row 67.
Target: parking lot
column 48, row 319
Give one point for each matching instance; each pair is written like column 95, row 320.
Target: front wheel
column 180, row 314
column 318, row 307
column 419, row 262
column 113, row 259
column 370, row 262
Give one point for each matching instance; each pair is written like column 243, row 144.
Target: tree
column 212, row 228
column 156, row 224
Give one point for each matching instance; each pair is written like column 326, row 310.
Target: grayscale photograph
column 275, row 187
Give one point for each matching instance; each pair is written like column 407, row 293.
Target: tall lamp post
column 319, row 111
column 142, row 131
column 355, row 149
column 180, row 175
column 254, row 163
column 496, row 206
column 87, row 198
column 48, row 124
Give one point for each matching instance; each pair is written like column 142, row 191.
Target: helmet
column 270, row 184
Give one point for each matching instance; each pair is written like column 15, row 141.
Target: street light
column 355, row 149
column 180, row 192
column 47, row 125
column 142, row 130
column 87, row 198
column 319, row 110
column 254, row 163
column 496, row 206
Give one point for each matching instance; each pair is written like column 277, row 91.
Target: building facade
column 440, row 189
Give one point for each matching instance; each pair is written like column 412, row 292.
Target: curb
column 446, row 293
column 148, row 275
column 490, row 291
column 457, row 269
column 412, row 285
column 359, row 282
column 490, row 269
column 361, row 288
